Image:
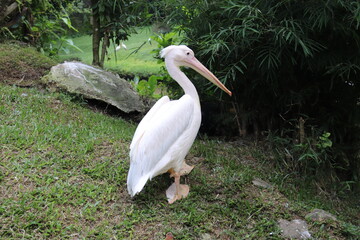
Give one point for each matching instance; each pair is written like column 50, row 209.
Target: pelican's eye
column 188, row 53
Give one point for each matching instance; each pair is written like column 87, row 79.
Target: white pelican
column 121, row 45
column 166, row 133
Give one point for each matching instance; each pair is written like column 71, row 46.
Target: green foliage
column 44, row 24
column 324, row 141
column 80, row 14
column 163, row 40
column 301, row 158
column 113, row 21
column 283, row 60
column 148, row 88
column 116, row 18
column 312, row 162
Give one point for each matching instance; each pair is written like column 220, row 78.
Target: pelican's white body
column 162, row 140
column 166, row 133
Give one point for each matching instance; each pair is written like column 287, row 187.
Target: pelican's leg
column 185, row 169
column 177, row 191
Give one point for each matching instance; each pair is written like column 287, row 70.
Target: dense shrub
column 285, row 60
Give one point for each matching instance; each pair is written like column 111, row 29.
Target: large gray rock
column 95, row 83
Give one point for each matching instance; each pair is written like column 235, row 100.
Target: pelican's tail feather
column 136, row 182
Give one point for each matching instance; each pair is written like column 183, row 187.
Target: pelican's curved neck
column 182, row 80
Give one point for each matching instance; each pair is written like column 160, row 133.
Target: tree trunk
column 105, row 45
column 8, row 10
column 301, row 130
column 96, row 34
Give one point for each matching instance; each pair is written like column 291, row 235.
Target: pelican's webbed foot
column 177, row 191
column 171, row 194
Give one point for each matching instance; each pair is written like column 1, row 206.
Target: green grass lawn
column 63, row 169
column 140, row 63
column 63, row 174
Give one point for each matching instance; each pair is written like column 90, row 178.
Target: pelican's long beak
column 197, row 66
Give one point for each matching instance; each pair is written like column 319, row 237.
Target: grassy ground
column 63, row 170
column 63, row 176
column 140, row 63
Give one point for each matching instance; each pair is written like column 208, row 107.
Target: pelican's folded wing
column 156, row 136
column 147, row 119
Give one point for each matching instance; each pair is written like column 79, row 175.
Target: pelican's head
column 181, row 55
column 177, row 53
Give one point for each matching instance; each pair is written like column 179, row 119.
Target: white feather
column 158, row 143
column 166, row 133
column 143, row 125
